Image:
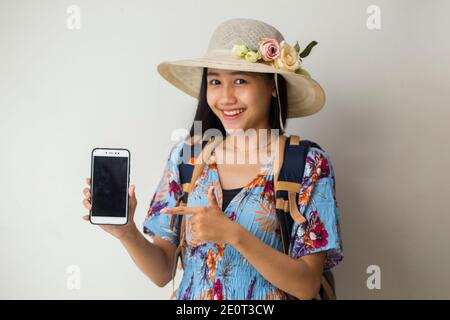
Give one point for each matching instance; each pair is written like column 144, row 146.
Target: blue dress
column 216, row 271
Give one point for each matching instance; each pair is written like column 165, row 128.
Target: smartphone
column 110, row 179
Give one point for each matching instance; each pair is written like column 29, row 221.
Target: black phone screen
column 109, row 186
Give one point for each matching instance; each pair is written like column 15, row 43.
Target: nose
column 227, row 95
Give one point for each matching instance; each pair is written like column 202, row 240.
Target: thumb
column 212, row 201
column 132, row 192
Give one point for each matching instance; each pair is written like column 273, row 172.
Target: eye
column 211, row 82
column 241, row 80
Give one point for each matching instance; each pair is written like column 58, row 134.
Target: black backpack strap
column 186, row 167
column 189, row 171
column 288, row 186
column 190, row 151
column 291, row 172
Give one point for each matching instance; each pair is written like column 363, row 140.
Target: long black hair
column 210, row 121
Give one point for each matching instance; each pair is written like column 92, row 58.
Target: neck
column 249, row 141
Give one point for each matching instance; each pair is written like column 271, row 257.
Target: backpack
column 288, row 175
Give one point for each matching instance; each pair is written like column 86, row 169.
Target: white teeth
column 233, row 112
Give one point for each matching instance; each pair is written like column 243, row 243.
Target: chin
column 235, row 127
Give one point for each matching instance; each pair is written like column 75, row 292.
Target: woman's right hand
column 118, row 231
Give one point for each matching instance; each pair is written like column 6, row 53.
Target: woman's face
column 241, row 100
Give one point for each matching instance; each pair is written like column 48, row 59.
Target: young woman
column 234, row 248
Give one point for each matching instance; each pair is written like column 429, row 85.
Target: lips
column 232, row 114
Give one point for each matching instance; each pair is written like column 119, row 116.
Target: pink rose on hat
column 269, row 48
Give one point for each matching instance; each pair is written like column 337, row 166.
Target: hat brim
column 305, row 95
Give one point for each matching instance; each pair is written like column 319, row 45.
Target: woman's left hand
column 207, row 224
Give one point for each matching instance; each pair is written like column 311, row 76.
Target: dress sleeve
column 167, row 192
column 317, row 202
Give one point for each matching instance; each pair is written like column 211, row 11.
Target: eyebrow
column 232, row 73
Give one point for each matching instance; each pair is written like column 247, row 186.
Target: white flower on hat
column 253, row 56
column 289, row 58
column 240, row 50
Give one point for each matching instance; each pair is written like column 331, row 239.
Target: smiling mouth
column 232, row 114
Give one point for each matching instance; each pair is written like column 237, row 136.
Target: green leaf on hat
column 308, row 48
column 297, row 47
column 303, row 72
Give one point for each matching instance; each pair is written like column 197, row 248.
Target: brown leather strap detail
column 180, row 199
column 195, row 174
column 282, row 204
column 295, row 140
column 279, row 157
column 293, row 209
column 328, row 290
column 278, row 163
column 172, row 221
column 287, row 186
column 186, row 186
column 174, row 216
column 182, row 233
column 182, row 237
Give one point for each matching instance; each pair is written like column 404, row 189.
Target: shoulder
column 175, row 152
column 173, row 160
column 318, row 164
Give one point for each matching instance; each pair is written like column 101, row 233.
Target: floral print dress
column 216, row 271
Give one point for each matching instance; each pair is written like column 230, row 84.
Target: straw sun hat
column 253, row 46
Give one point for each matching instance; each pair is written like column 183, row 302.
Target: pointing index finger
column 180, row 210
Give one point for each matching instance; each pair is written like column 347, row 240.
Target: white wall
column 64, row 92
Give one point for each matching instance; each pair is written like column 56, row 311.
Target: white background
column 63, row 92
